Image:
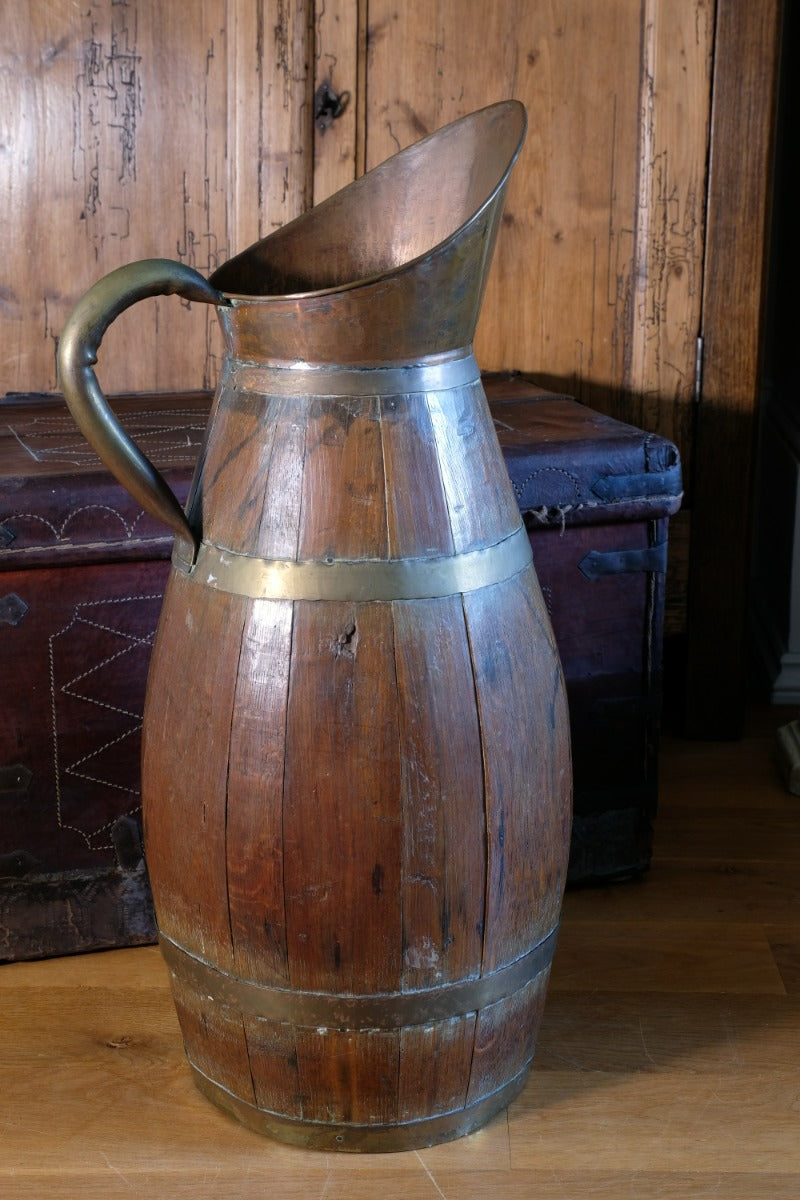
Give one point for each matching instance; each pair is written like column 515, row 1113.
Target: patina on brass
column 436, row 373
column 395, row 1010
column 375, row 1139
column 361, row 579
column 77, row 356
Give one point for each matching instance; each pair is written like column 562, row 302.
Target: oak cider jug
column 355, row 768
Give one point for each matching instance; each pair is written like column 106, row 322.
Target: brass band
column 435, row 373
column 362, row 579
column 329, row 1010
column 378, row 1138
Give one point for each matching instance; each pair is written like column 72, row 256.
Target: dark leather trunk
column 82, row 572
column 596, row 496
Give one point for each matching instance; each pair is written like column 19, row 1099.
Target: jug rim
column 512, row 106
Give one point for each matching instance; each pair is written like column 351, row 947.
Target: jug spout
column 390, row 268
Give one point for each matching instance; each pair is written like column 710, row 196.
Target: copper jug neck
column 393, row 265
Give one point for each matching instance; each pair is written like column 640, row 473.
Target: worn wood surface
column 376, row 794
column 337, row 139
column 666, row 1066
column 187, row 831
column 132, row 131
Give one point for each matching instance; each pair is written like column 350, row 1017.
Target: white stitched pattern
column 76, row 690
column 60, row 532
column 154, row 540
column 183, row 426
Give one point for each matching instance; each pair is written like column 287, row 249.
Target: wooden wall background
column 156, row 128
column 133, row 128
column 149, row 128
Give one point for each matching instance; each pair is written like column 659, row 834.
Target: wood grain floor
column 668, row 1064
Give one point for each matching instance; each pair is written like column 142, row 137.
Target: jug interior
column 397, row 213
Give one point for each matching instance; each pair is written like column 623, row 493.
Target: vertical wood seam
column 272, row 434
column 697, row 390
column 287, row 709
column 261, row 154
column 634, row 355
column 401, row 738
column 379, row 400
column 247, row 1057
column 243, row 613
column 301, row 505
column 486, row 840
column 401, row 778
column 362, row 33
column 445, row 495
column 376, row 411
column 484, row 773
column 231, row 126
column 404, row 799
column 286, row 956
column 307, row 102
column 712, row 106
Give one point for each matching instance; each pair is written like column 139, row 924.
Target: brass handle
column 77, row 356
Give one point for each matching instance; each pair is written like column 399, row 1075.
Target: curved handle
column 77, row 356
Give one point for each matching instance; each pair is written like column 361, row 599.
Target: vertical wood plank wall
column 597, row 281
column 135, row 131
column 336, row 64
column 149, row 127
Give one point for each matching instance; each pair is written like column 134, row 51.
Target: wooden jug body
column 356, row 773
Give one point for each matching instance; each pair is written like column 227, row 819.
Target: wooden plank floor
column 668, row 1064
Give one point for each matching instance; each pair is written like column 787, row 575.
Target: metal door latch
column 328, row 105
